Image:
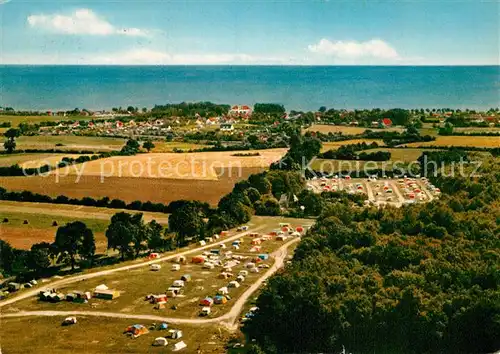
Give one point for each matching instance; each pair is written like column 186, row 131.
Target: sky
column 260, row 32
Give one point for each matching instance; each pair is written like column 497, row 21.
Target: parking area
column 386, row 191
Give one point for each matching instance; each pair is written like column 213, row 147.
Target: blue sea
column 297, row 87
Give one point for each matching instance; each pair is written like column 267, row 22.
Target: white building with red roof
column 242, row 110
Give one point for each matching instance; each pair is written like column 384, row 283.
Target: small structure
column 69, row 321
column 180, row 260
column 233, row 284
column 224, row 233
column 208, row 266
column 202, row 243
column 250, row 265
column 160, row 342
column 101, row 287
column 208, row 301
column 136, row 330
column 240, row 278
column 175, row 267
column 154, row 255
column 254, row 270
column 178, row 284
column 220, row 300
column 13, row 286
column 223, row 291
column 243, row 272
column 180, row 345
column 106, row 294
column 155, row 267
column 198, row 259
column 159, row 298
column 264, row 257
column 205, row 311
column 256, row 241
column 175, row 333
column 281, row 238
column 186, row 278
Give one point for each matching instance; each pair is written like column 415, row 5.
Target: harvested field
column 195, row 166
column 40, row 217
column 128, row 189
column 70, row 142
column 346, row 130
column 473, row 141
column 94, row 335
column 33, row 160
column 336, row 144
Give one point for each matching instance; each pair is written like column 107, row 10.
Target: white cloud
column 4, row 2
column 352, row 50
column 81, row 22
column 153, row 57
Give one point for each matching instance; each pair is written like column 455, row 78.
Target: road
column 29, row 293
column 229, row 319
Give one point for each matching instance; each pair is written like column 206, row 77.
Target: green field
column 70, row 142
column 16, row 120
column 163, row 146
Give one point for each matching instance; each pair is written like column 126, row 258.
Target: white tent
column 155, row 267
column 160, row 342
column 233, row 284
column 223, row 291
column 101, row 287
column 179, row 346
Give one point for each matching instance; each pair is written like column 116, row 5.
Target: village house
column 226, row 127
column 241, row 111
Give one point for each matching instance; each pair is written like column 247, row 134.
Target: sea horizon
column 297, row 87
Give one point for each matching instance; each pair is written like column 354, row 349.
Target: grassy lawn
column 16, row 120
column 69, row 142
column 93, row 335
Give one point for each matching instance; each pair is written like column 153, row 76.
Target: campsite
column 140, row 289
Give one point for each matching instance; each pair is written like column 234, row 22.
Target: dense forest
column 420, row 279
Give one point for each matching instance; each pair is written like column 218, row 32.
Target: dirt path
column 73, row 279
column 230, row 319
column 85, row 213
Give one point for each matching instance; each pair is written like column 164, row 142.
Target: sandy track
column 230, row 319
